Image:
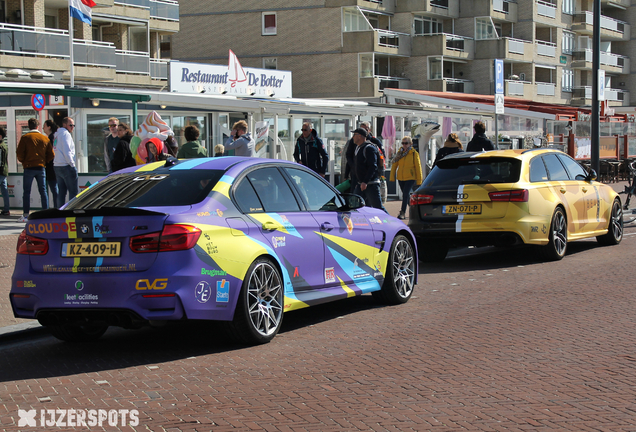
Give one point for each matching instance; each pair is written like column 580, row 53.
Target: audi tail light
column 172, row 238
column 417, row 199
column 520, row 195
column 29, row 245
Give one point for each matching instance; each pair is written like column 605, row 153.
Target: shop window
column 96, row 132
column 269, row 24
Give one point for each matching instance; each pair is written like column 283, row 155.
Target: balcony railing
column 546, row 48
column 456, row 43
column 26, row 40
column 389, row 39
column 501, row 6
column 515, row 88
column 459, row 85
column 607, row 23
column 546, row 89
column 159, row 69
column 610, row 93
column 516, row 46
column 546, row 9
column 93, row 53
column 165, row 9
column 440, row 3
column 608, row 59
column 133, row 62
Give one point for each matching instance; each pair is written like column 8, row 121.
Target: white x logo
column 27, row 418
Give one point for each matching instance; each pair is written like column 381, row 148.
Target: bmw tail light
column 520, row 195
column 28, row 245
column 417, row 199
column 172, row 238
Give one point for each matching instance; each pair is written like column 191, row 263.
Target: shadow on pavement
column 40, row 355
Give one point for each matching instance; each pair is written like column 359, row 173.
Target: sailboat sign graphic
column 235, row 70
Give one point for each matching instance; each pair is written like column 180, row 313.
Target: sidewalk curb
column 24, row 329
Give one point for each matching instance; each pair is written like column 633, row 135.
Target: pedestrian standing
column 219, row 150
column 240, row 140
column 310, row 150
column 64, row 162
column 171, row 146
column 366, row 158
column 122, row 156
column 154, row 150
column 193, row 148
column 480, row 141
column 34, row 151
column 49, row 127
column 451, row 145
column 4, row 172
column 406, row 163
column 110, row 142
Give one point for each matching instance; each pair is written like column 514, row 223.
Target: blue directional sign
column 499, row 77
column 37, row 102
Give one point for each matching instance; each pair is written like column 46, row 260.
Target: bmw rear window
column 459, row 171
column 156, row 189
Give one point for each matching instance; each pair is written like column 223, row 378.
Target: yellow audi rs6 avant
column 536, row 197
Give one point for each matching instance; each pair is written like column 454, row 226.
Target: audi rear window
column 157, row 189
column 459, row 171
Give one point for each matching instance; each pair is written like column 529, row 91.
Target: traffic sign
column 499, row 104
column 499, row 76
column 37, row 102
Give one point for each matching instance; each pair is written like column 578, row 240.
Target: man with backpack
column 310, row 151
column 367, row 168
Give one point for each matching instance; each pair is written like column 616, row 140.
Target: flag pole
column 70, row 43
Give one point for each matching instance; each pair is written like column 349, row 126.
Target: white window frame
column 568, row 7
column 264, row 31
column 435, row 26
column 567, row 42
column 567, row 80
column 487, row 23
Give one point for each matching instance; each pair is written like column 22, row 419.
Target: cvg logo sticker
column 157, row 284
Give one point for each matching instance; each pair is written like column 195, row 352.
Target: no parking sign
column 37, row 102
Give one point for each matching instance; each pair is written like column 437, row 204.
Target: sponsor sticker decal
column 223, row 291
column 202, row 292
column 330, row 275
column 278, row 241
column 213, row 272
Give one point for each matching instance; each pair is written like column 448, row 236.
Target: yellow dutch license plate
column 462, row 209
column 99, row 249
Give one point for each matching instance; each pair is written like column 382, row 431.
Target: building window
column 567, row 80
column 355, row 21
column 366, row 65
column 427, row 25
column 484, row 29
column 270, row 63
column 435, row 68
column 269, row 23
column 165, row 46
column 568, row 7
column 567, row 43
column 50, row 21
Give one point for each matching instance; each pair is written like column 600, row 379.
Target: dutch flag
column 81, row 9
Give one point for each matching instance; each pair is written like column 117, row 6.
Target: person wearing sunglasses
column 407, row 166
column 64, row 162
column 310, row 150
column 110, row 142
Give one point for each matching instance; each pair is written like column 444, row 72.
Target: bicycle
column 630, row 189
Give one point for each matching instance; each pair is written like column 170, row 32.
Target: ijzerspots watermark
column 77, row 418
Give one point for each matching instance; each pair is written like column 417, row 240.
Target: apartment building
column 128, row 44
column 356, row 48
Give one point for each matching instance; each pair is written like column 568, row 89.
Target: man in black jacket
column 310, row 151
column 366, row 159
column 479, row 142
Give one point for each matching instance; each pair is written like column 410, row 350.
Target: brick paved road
column 491, row 341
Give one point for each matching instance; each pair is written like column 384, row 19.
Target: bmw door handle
column 584, row 189
column 563, row 190
column 326, row 226
column 269, row 226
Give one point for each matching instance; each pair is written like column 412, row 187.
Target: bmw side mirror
column 352, row 201
column 591, row 176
